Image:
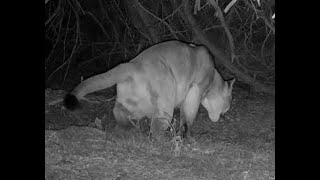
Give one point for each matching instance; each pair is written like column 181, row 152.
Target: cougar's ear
column 231, row 82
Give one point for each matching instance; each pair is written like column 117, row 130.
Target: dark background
column 84, row 38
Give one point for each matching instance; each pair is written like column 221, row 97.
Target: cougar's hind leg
column 159, row 124
column 183, row 129
column 123, row 125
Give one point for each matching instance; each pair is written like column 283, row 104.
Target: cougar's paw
column 120, row 132
column 158, row 130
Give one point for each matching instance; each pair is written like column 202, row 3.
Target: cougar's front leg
column 188, row 111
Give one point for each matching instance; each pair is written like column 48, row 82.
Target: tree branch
column 220, row 57
column 225, row 27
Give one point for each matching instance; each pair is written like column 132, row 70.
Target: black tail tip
column 71, row 102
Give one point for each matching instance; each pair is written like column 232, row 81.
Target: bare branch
column 225, row 27
column 220, row 57
column 156, row 17
column 229, row 6
column 54, row 14
column 97, row 22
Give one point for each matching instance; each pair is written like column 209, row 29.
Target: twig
column 229, row 6
column 106, row 15
column 196, row 7
column 53, row 15
column 236, row 11
column 226, row 29
column 156, row 17
column 64, row 42
column 55, row 102
column 173, row 12
column 269, row 24
column 79, row 7
column 76, row 43
column 97, row 21
column 56, row 41
column 64, row 63
column 260, row 16
column 123, row 19
column 264, row 42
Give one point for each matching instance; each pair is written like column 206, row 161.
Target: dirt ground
column 241, row 146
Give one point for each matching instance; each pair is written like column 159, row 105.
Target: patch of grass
column 240, row 147
column 138, row 157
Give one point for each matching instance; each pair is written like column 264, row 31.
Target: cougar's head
column 218, row 99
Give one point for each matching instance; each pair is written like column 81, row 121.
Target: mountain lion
column 161, row 78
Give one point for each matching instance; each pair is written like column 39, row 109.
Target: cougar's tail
column 96, row 83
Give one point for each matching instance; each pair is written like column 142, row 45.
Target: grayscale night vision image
column 160, row 89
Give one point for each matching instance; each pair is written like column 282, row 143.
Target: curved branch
column 97, row 22
column 225, row 27
column 54, row 14
column 220, row 57
column 159, row 19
